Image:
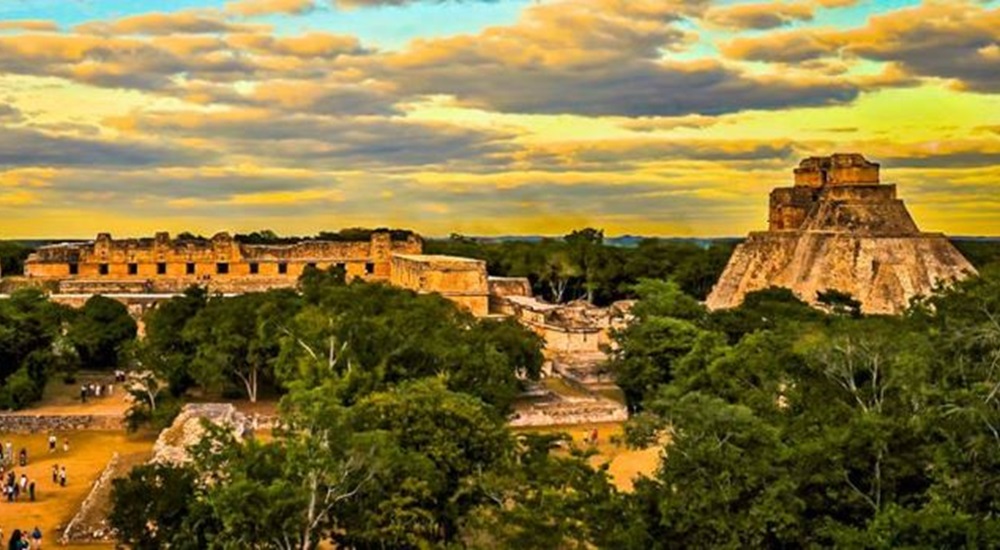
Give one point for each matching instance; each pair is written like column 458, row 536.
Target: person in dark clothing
column 16, row 541
column 31, row 490
column 55, row 473
column 23, row 457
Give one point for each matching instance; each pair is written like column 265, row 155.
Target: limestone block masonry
column 142, row 272
column 840, row 229
column 38, row 423
column 461, row 280
column 165, row 265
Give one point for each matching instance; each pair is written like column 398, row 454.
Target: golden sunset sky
column 653, row 117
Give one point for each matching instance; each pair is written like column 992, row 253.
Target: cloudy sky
column 656, row 117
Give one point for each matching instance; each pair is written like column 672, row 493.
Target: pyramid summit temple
column 839, row 228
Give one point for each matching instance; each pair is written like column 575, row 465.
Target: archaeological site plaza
column 839, row 228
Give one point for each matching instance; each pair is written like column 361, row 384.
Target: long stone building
column 162, row 264
column 839, row 228
column 140, row 273
column 139, row 270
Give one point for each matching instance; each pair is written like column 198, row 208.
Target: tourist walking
column 65, row 444
column 31, row 490
column 55, row 473
column 23, row 457
column 83, row 393
column 52, row 442
column 62, row 476
column 36, row 538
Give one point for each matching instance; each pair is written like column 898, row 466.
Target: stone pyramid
column 838, row 228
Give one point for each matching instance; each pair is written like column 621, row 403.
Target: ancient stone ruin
column 163, row 265
column 142, row 272
column 839, row 228
column 188, row 429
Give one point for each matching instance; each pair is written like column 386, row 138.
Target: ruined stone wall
column 222, row 264
column 36, row 423
column 101, row 489
column 837, row 169
column 789, row 207
column 502, row 287
column 887, row 218
column 461, row 280
column 569, row 412
column 187, row 429
column 560, row 340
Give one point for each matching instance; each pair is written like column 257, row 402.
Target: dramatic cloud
column 190, row 22
column 25, row 147
column 251, row 8
column 327, row 142
column 759, row 16
column 9, row 113
column 594, row 58
column 639, row 116
column 953, row 40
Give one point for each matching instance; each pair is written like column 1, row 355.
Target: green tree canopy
column 101, row 331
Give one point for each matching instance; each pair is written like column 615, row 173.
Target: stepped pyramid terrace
column 839, row 228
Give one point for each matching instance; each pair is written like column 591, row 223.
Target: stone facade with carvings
column 162, row 264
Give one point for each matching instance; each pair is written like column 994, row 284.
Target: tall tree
column 238, row 339
column 101, row 331
column 165, row 351
column 585, row 249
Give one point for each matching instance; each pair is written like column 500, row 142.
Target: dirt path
column 54, row 506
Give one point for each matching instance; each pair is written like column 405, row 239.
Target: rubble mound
column 187, row 429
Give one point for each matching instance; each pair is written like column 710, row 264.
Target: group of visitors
column 7, row 456
column 59, row 475
column 15, row 488
column 97, row 390
column 22, row 540
column 53, row 440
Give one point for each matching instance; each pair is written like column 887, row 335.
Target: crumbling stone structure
column 141, row 272
column 188, row 429
column 461, row 280
column 164, row 265
column 839, row 228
